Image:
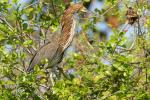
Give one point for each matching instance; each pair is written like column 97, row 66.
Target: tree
column 114, row 69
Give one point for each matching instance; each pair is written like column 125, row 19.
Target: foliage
column 117, row 69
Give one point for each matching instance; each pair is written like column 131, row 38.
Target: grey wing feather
column 45, row 52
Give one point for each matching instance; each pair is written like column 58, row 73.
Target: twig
column 43, row 86
column 138, row 21
column 4, row 20
column 111, row 95
column 19, row 69
column 86, row 40
column 109, row 9
column 62, row 71
column 132, row 63
column 2, row 77
column 54, row 8
column 120, row 40
column 40, row 3
column 31, row 5
column 44, row 35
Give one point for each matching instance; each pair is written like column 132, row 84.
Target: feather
column 45, row 52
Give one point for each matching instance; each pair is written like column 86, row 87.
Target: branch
column 6, row 22
column 19, row 69
column 86, row 40
column 54, row 8
column 31, row 5
column 109, row 9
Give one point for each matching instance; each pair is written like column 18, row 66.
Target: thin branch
column 109, row 9
column 31, row 5
column 43, row 86
column 138, row 21
column 4, row 20
column 19, row 69
column 86, row 40
column 106, row 97
column 134, row 63
column 44, row 35
column 54, row 8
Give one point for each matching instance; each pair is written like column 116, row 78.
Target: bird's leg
column 51, row 81
column 49, row 78
column 61, row 71
column 56, row 72
column 43, row 86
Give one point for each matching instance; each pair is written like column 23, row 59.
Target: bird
column 131, row 15
column 54, row 51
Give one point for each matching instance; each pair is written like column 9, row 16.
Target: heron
column 132, row 16
column 54, row 51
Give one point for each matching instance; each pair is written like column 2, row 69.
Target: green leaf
column 25, row 26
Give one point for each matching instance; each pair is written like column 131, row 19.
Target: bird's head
column 78, row 7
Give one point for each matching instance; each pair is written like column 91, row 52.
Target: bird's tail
column 29, row 69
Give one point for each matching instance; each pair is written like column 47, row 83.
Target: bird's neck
column 68, row 31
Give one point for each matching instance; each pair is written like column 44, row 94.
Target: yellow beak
column 84, row 10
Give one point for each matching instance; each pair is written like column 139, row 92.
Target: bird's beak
column 84, row 10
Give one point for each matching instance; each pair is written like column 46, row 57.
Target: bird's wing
column 45, row 52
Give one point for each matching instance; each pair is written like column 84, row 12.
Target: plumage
column 47, row 51
column 54, row 50
column 131, row 15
